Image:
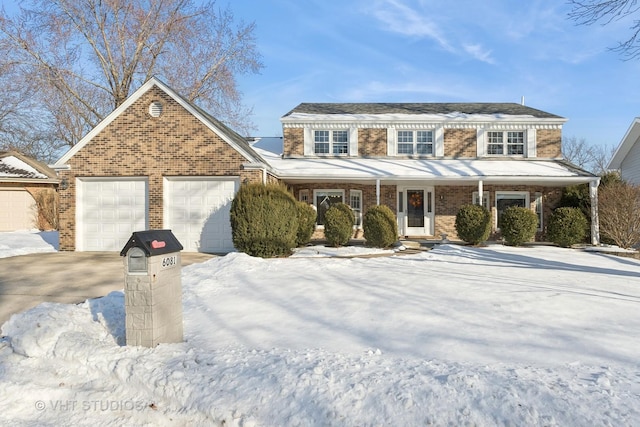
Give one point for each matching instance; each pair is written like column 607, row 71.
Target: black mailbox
column 153, row 242
column 143, row 244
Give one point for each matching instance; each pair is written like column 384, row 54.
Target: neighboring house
column 626, row 158
column 158, row 161
column 21, row 178
column 425, row 161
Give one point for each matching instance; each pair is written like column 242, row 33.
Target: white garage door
column 197, row 211
column 17, row 210
column 108, row 211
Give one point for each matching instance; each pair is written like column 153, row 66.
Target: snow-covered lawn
column 454, row 336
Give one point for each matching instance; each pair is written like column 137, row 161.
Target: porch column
column 377, row 191
column 595, row 221
column 480, row 191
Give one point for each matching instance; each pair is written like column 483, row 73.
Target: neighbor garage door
column 197, row 211
column 108, row 211
column 17, row 209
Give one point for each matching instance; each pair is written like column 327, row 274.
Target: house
column 426, row 160
column 21, row 179
column 159, row 161
column 626, row 158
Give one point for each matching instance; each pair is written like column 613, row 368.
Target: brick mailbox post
column 153, row 288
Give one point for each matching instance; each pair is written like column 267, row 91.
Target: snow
column 27, row 242
column 14, row 167
column 457, row 335
column 442, row 169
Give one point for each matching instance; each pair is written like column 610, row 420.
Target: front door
column 415, row 211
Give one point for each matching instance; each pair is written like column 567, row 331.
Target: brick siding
column 549, row 143
column 372, row 142
column 460, row 143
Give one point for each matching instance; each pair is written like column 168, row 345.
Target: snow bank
column 27, row 242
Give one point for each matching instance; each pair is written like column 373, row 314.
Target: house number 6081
column 170, row 261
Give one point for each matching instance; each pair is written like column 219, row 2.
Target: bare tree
column 588, row 12
column 593, row 158
column 87, row 56
column 619, row 213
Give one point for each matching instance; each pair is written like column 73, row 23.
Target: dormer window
column 415, row 142
column 334, row 142
column 510, row 143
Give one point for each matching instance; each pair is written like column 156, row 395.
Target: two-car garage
column 156, row 162
column 196, row 209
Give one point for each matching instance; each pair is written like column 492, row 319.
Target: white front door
column 415, row 211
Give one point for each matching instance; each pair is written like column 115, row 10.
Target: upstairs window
column 419, row 142
column 510, row 143
column 334, row 142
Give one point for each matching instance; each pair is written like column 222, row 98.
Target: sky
column 441, row 51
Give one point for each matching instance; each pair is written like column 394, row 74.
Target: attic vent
column 155, row 109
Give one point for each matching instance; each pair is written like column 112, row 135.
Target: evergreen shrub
column 518, row 225
column 473, row 224
column 264, row 220
column 307, row 216
column 380, row 227
column 338, row 224
column 567, row 226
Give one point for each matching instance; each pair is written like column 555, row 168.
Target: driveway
column 64, row 277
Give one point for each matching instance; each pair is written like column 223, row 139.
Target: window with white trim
column 507, row 199
column 485, row 199
column 323, row 199
column 331, row 142
column 415, row 142
column 355, row 201
column 510, row 143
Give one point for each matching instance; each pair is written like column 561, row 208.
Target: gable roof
column 628, row 141
column 231, row 137
column 15, row 167
column 441, row 109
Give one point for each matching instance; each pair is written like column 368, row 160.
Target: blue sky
column 441, row 51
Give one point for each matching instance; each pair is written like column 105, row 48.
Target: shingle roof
column 421, row 108
column 14, row 165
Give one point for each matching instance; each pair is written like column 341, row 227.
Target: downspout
column 595, row 220
column 264, row 176
column 378, row 191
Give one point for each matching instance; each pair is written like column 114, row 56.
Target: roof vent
column 155, row 109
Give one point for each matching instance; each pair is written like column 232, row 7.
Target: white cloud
column 400, row 18
column 479, row 53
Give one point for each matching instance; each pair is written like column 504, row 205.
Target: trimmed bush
column 338, row 224
column 306, row 223
column 567, row 226
column 518, row 225
column 380, row 227
column 473, row 224
column 264, row 220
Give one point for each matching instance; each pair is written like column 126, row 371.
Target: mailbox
column 153, row 288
